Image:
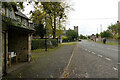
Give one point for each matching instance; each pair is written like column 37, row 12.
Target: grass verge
column 70, row 43
column 39, row 52
column 109, row 43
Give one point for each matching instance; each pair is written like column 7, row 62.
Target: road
column 85, row 60
column 94, row 60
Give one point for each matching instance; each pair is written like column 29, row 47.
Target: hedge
column 40, row 43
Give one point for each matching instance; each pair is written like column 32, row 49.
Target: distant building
column 64, row 32
column 76, row 29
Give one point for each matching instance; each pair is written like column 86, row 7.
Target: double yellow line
column 66, row 71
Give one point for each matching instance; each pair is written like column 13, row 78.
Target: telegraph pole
column 100, row 33
column 101, row 28
column 97, row 30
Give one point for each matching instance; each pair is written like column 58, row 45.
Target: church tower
column 76, row 29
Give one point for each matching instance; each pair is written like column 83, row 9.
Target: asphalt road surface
column 87, row 60
column 94, row 60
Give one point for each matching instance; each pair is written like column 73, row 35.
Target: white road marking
column 100, row 55
column 89, row 51
column 113, row 49
column 115, row 69
column 93, row 53
column 108, row 59
column 118, row 63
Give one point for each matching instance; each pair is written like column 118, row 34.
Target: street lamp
column 118, row 24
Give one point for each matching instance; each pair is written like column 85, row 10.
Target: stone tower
column 76, row 29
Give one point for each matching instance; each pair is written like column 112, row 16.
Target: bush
column 71, row 35
column 54, row 42
column 40, row 43
column 64, row 39
column 91, row 39
column 118, row 37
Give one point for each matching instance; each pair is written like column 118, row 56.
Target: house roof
column 21, row 29
column 11, row 24
column 21, row 14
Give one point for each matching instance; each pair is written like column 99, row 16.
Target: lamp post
column 118, row 24
column 45, row 33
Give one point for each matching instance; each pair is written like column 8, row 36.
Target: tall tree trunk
column 59, row 29
column 52, row 25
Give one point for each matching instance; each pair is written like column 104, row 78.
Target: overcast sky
column 90, row 15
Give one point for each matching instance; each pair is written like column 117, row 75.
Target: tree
column 113, row 28
column 106, row 34
column 38, row 16
column 71, row 35
column 16, row 5
column 55, row 13
column 97, row 35
column 88, row 37
column 40, row 30
column 82, row 37
column 54, row 10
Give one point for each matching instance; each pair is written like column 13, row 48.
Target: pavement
column 49, row 65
